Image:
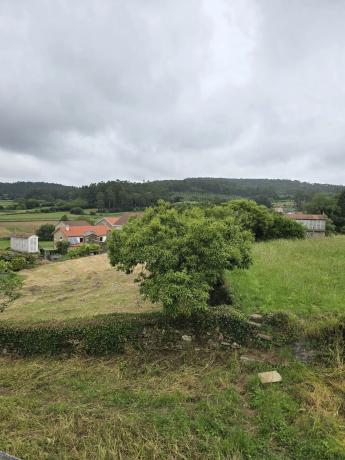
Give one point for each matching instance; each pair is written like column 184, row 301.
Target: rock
column 235, row 345
column 186, row 338
column 255, row 317
column 226, row 344
column 269, row 377
column 264, row 337
column 4, row 456
column 250, row 359
column 254, row 324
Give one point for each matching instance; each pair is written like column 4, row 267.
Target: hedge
column 106, row 334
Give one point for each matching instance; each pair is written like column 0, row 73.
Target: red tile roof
column 300, row 216
column 99, row 230
column 125, row 217
column 111, row 219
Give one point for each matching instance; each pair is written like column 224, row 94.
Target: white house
column 24, row 242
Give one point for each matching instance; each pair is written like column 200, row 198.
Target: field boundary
column 112, row 333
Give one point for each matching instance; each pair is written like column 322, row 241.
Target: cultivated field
column 306, row 277
column 75, row 288
column 7, row 228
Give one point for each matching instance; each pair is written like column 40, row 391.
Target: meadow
column 177, row 405
column 305, row 277
column 75, row 288
column 193, row 403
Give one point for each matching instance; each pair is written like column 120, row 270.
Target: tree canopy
column 182, row 254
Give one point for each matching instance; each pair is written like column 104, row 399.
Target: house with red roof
column 117, row 222
column 80, row 234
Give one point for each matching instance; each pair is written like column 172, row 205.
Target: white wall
column 24, row 244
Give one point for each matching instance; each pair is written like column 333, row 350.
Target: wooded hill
column 125, row 195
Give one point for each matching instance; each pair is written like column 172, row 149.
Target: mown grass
column 75, row 288
column 305, row 277
column 5, row 244
column 186, row 405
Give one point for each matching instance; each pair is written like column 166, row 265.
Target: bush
column 62, row 247
column 18, row 261
column 84, row 250
column 45, row 232
column 282, row 227
column 10, row 283
column 77, row 211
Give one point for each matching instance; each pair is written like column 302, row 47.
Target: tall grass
column 305, row 277
column 178, row 406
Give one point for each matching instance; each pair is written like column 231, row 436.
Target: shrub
column 62, row 247
column 45, row 232
column 77, row 211
column 18, row 261
column 84, row 250
column 10, row 284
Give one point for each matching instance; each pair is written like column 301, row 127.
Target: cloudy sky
column 93, row 90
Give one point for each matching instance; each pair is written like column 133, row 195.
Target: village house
column 117, row 222
column 24, row 242
column 71, row 223
column 79, row 234
column 314, row 223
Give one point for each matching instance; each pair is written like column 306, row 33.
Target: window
column 81, row 240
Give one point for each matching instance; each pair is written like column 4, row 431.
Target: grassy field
column 306, row 277
column 185, row 405
column 7, row 228
column 75, row 288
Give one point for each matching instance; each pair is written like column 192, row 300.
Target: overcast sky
column 94, row 90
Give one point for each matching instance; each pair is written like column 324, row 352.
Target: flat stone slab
column 270, row 377
column 264, row 337
column 255, row 317
column 4, row 456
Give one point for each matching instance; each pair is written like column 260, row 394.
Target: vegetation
column 124, row 195
column 84, row 250
column 62, row 247
column 183, row 254
column 46, row 232
column 76, row 289
column 197, row 404
column 264, row 225
column 304, row 277
column 10, row 284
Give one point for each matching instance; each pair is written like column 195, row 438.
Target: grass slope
column 304, row 277
column 75, row 288
column 194, row 405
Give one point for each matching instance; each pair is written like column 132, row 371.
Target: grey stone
column 269, row 377
column 4, row 456
column 255, row 317
column 254, row 324
column 235, row 345
column 264, row 337
column 250, row 359
column 186, row 338
column 226, row 344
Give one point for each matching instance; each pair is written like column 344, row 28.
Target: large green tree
column 182, row 255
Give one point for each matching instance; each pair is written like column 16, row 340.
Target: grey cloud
column 95, row 90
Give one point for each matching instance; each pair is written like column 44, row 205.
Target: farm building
column 77, row 234
column 71, row 223
column 314, row 223
column 117, row 222
column 24, row 242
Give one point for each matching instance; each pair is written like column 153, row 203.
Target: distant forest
column 124, row 195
